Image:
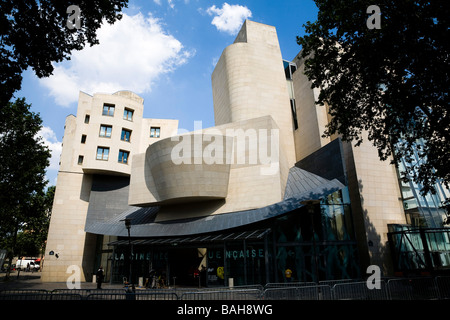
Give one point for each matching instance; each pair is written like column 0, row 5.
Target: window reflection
column 320, row 246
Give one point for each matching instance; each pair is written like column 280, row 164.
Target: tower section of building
column 373, row 184
column 249, row 82
column 98, row 147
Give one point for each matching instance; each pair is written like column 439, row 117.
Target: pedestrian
column 288, row 274
column 203, row 276
column 99, row 276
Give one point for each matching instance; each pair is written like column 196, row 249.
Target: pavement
column 32, row 280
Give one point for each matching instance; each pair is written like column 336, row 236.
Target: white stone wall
column 66, row 233
column 376, row 202
column 249, row 82
column 373, row 185
column 312, row 119
column 245, row 178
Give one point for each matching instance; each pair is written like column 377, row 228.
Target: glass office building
column 422, row 210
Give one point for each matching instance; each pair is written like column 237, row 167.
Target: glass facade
column 302, row 245
column 419, row 249
column 422, row 210
column 317, row 245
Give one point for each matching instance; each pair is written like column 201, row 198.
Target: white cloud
column 50, row 140
column 169, row 2
column 131, row 55
column 229, row 18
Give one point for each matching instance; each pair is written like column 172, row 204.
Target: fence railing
column 228, row 294
column 316, row 292
column 437, row 288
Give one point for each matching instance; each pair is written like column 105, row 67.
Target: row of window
column 106, row 131
column 103, row 154
column 109, row 109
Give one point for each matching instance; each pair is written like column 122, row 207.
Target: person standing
column 288, row 274
column 99, row 276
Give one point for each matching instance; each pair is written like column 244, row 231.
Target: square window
column 102, row 153
column 105, row 131
column 123, row 156
column 126, row 135
column 83, row 138
column 108, row 110
column 155, row 132
column 128, row 114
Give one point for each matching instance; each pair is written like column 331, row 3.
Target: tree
column 36, row 33
column 32, row 238
column 23, row 161
column 391, row 82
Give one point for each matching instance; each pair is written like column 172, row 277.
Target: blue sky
column 163, row 50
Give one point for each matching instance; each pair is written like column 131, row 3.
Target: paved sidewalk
column 29, row 280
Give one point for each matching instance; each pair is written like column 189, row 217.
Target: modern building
column 259, row 193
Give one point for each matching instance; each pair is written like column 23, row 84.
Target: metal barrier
column 85, row 292
column 41, row 295
column 320, row 292
column 243, row 287
column 147, row 295
column 110, row 296
column 331, row 283
column 317, row 292
column 392, row 289
column 413, row 289
column 156, row 296
column 280, row 293
column 24, row 291
column 65, row 296
column 360, row 291
column 443, row 285
column 231, row 294
column 25, row 294
column 289, row 284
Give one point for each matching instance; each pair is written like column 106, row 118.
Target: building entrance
column 183, row 266
column 300, row 246
column 209, row 260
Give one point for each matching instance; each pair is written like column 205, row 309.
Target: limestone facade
column 94, row 127
column 241, row 163
column 373, row 184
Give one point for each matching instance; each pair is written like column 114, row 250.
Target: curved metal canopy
column 301, row 185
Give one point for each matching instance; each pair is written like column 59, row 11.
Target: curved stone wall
column 185, row 168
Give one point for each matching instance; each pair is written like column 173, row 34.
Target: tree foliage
column 391, row 83
column 35, row 34
column 23, row 161
column 32, row 237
